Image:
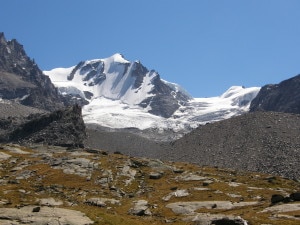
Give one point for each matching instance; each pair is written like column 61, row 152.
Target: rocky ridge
column 282, row 97
column 63, row 127
column 54, row 185
column 21, row 79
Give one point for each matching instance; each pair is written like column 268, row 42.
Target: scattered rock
column 36, row 209
column 101, row 202
column 295, row 196
column 191, row 177
column 177, row 193
column 227, row 221
column 14, row 149
column 4, row 156
column 50, row 202
column 283, row 208
column 158, row 165
column 176, row 170
column 207, row 182
column 4, row 201
column 234, row 184
column 141, row 208
column 80, row 166
column 14, row 181
column 128, row 172
column 96, row 202
column 155, row 175
column 216, row 219
column 201, row 189
column 190, row 207
column 234, row 195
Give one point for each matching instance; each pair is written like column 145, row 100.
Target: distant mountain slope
column 282, row 97
column 123, row 94
column 267, row 142
column 21, row 79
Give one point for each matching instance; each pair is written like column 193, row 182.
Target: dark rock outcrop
column 295, row 196
column 277, row 198
column 282, row 97
column 165, row 101
column 63, row 127
column 227, row 221
column 22, row 80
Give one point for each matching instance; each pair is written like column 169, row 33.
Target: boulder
column 50, row 202
column 155, row 175
column 43, row 215
column 295, row 196
column 227, row 221
column 277, row 198
column 141, row 208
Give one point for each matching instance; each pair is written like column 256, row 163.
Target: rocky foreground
column 54, row 185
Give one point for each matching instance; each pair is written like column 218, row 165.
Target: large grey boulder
column 42, row 216
column 141, row 208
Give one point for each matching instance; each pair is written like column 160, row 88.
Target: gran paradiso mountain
column 118, row 93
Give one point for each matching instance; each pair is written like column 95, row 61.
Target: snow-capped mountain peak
column 116, row 78
column 122, row 94
column 116, row 58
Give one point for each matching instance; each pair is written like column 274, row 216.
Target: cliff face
column 22, row 80
column 282, row 97
column 63, row 127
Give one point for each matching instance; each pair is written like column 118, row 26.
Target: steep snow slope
column 123, row 94
column 115, row 78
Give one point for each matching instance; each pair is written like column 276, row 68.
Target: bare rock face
column 282, row 97
column 22, row 80
column 63, row 127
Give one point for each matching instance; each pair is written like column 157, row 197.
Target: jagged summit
column 22, row 80
column 116, row 78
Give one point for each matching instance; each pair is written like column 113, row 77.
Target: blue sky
column 206, row 46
